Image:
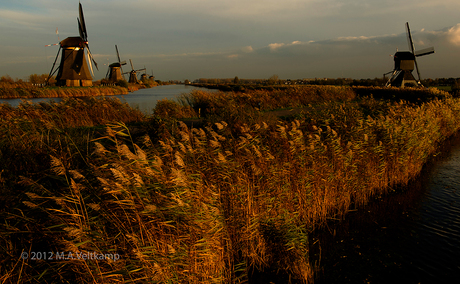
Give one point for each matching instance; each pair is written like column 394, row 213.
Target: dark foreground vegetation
column 233, row 201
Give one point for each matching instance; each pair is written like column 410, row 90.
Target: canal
column 410, row 236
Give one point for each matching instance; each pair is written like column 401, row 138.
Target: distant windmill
column 133, row 74
column 73, row 69
column 115, row 72
column 405, row 62
column 144, row 76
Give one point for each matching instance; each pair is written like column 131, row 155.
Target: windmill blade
column 425, row 51
column 121, row 62
column 409, row 38
column 80, row 30
column 411, row 46
column 118, row 54
column 130, row 61
column 92, row 59
column 418, row 72
column 81, row 24
column 57, row 33
column 89, row 61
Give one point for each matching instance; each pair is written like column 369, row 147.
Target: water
column 408, row 237
column 144, row 99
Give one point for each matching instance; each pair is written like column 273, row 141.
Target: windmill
column 133, row 74
column 73, row 69
column 144, row 76
column 405, row 61
column 115, row 72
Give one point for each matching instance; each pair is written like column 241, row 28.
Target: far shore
column 19, row 92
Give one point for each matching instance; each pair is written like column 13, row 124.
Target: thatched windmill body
column 133, row 74
column 73, row 68
column 405, row 63
column 115, row 72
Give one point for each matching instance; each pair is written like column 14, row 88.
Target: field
column 114, row 196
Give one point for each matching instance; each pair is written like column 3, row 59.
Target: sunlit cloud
column 247, row 49
column 454, row 34
column 275, row 46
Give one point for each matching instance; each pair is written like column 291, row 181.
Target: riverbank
column 14, row 92
column 234, row 200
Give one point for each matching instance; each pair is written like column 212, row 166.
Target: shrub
column 122, row 83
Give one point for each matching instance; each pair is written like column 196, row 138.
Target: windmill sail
column 81, row 24
column 423, row 52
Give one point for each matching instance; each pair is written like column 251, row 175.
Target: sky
column 251, row 39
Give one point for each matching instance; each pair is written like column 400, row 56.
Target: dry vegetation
column 26, row 91
column 35, row 88
column 201, row 205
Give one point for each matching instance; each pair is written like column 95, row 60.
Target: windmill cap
column 73, row 42
column 404, row 55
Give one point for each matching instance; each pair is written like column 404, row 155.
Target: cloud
column 453, row 34
column 21, row 18
column 247, row 49
column 275, row 46
column 354, row 56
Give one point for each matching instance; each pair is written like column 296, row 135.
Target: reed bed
column 26, row 91
column 223, row 203
column 209, row 103
column 31, row 132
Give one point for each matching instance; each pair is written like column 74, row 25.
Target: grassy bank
column 26, row 91
column 228, row 203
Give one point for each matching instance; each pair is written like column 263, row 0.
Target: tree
column 236, row 80
column 38, row 79
column 273, row 80
column 6, row 79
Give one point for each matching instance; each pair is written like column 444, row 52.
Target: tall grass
column 220, row 203
column 31, row 132
column 25, row 91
